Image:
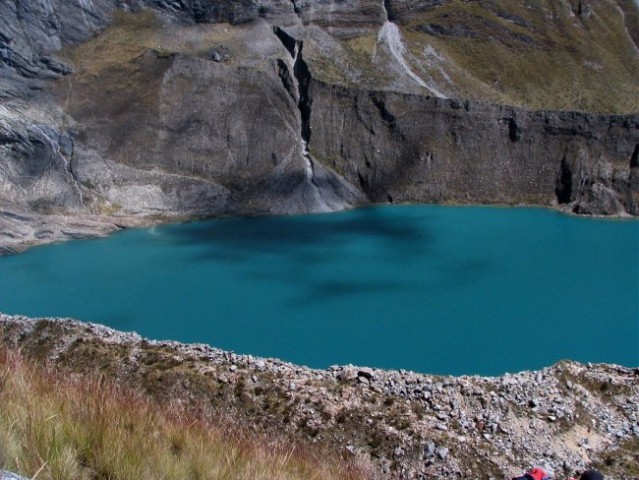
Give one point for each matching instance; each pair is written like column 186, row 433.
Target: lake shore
column 20, row 231
column 407, row 425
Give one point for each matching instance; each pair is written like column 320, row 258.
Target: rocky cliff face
column 413, row 148
column 116, row 113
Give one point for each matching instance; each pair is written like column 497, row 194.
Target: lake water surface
column 448, row 290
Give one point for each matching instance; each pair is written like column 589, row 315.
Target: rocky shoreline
column 408, row 425
column 20, row 231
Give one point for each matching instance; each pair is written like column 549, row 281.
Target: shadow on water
column 300, row 247
column 466, row 272
column 286, row 235
column 321, row 291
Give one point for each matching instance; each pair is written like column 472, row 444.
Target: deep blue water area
column 446, row 290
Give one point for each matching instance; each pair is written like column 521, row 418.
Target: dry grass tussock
column 58, row 425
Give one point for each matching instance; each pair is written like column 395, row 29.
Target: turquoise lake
column 445, row 290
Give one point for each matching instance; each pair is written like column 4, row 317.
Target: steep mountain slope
column 124, row 112
column 560, row 55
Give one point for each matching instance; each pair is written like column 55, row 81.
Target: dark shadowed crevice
column 387, row 116
column 303, row 75
column 563, row 190
column 514, row 133
column 389, row 10
column 633, row 180
column 634, row 158
column 285, row 77
column 289, row 42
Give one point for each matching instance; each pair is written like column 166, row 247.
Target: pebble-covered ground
column 408, row 425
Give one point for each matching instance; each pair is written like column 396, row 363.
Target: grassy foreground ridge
column 59, row 425
column 388, row 424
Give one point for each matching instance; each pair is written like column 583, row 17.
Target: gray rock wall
column 179, row 115
column 409, row 148
column 31, row 31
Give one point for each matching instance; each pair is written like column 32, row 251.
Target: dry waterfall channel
column 325, row 191
column 392, row 37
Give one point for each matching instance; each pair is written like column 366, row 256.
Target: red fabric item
column 538, row 474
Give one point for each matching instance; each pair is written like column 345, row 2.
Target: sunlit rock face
column 146, row 110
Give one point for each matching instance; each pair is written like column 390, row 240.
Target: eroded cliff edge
column 118, row 113
column 407, row 425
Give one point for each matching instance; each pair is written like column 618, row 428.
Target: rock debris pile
column 409, row 425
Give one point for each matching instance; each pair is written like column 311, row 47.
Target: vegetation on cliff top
column 554, row 55
column 546, row 54
column 58, row 425
column 539, row 55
